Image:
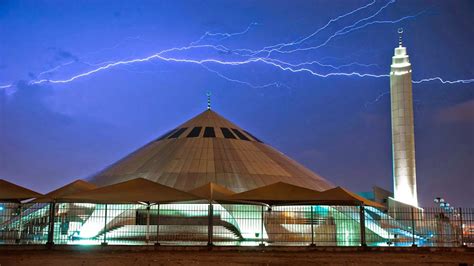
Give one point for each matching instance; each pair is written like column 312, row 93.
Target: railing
column 230, row 224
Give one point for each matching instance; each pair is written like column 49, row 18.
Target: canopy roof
column 132, row 191
column 281, row 193
column 210, row 148
column 342, row 196
column 12, row 192
column 212, row 191
column 71, row 188
column 278, row 193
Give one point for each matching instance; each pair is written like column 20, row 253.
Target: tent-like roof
column 71, row 188
column 342, row 196
column 281, row 193
column 212, row 191
column 278, row 193
column 210, row 148
column 132, row 191
column 10, row 192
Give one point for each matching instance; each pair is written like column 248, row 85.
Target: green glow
column 83, row 223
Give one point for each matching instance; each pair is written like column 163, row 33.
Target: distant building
column 378, row 195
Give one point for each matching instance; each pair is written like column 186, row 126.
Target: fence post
column 52, row 210
column 20, row 209
column 462, row 229
column 261, row 228
column 104, row 243
column 413, row 227
column 158, row 227
column 363, row 242
column 312, row 227
column 147, row 237
column 210, row 225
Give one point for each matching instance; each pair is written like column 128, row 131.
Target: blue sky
column 338, row 126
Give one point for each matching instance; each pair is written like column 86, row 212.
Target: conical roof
column 15, row 193
column 212, row 191
column 132, row 191
column 279, row 192
column 342, row 196
column 210, row 148
column 58, row 195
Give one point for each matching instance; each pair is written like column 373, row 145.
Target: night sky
column 338, row 126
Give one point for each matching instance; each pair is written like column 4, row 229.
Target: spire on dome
column 208, row 100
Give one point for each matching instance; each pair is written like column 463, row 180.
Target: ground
column 231, row 257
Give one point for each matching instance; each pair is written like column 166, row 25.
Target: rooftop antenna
column 400, row 33
column 208, row 100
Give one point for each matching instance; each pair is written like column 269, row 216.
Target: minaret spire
column 208, row 100
column 400, row 35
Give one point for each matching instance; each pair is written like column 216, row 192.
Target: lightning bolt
column 159, row 56
column 55, row 68
column 348, row 30
column 6, row 86
column 335, row 67
column 463, row 81
column 261, row 56
column 278, row 47
column 220, row 36
column 377, row 99
column 272, row 84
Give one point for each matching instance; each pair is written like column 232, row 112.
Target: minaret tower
column 403, row 136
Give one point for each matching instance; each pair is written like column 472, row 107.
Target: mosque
column 210, row 148
column 209, row 152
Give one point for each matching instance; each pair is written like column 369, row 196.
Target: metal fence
column 230, row 224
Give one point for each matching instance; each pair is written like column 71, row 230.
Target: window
column 177, row 133
column 195, row 132
column 227, row 133
column 239, row 134
column 253, row 136
column 209, row 132
column 165, row 135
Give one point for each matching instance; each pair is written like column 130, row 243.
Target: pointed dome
column 209, row 148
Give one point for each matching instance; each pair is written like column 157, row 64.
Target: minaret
column 403, row 137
